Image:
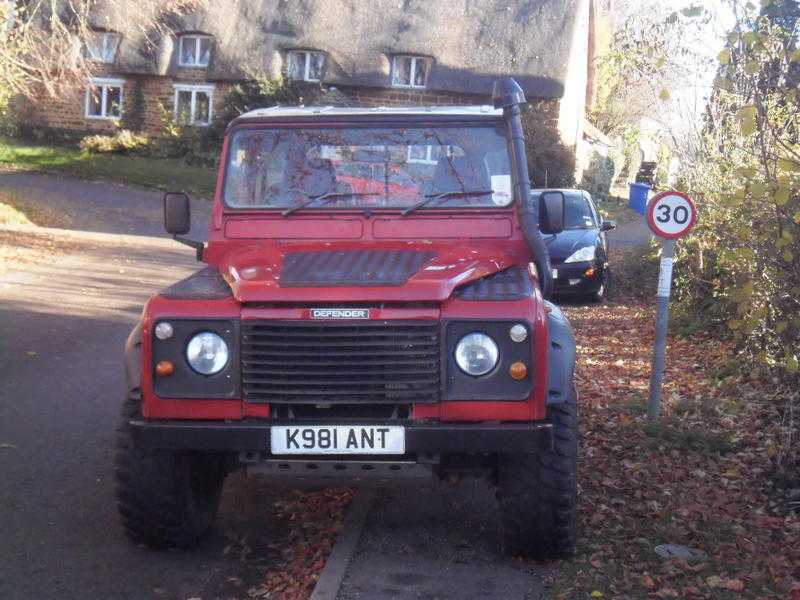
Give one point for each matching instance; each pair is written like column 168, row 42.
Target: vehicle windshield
column 577, row 212
column 368, row 167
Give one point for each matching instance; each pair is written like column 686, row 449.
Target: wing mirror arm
column 177, row 221
column 199, row 247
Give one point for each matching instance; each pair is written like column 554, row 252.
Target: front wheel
column 538, row 492
column 165, row 498
column 601, row 292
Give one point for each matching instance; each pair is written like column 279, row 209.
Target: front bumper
column 420, row 437
column 572, row 278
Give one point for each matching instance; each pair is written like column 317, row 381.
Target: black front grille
column 368, row 362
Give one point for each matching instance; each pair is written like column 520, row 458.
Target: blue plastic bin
column 637, row 197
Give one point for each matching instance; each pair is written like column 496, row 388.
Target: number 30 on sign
column 671, row 215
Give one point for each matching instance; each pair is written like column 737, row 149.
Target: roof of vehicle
column 380, row 111
column 571, row 191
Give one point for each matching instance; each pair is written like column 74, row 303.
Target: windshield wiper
column 451, row 194
column 327, row 196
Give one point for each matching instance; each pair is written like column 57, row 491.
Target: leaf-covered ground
column 700, row 480
column 313, row 520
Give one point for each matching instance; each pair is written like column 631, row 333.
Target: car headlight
column 207, row 353
column 476, row 354
column 582, row 255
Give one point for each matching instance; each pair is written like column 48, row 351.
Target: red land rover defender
column 354, row 331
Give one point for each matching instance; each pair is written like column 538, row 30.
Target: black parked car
column 579, row 254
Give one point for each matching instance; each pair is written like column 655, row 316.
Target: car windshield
column 577, row 212
column 368, row 167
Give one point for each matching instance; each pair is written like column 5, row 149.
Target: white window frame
column 107, row 38
column 195, row 37
column 428, row 160
column 103, row 83
column 194, row 88
column 307, row 63
column 412, row 73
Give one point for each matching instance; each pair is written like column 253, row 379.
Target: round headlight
column 207, row 353
column 476, row 354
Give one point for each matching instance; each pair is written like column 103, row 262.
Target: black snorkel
column 509, row 96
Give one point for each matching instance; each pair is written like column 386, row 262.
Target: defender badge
column 340, row 313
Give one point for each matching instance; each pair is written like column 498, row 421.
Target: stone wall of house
column 67, row 111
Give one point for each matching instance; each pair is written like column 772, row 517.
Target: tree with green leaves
column 742, row 262
column 42, row 42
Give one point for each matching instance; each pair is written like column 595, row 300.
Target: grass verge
column 159, row 173
column 615, row 208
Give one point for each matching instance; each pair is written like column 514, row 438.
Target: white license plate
column 555, row 273
column 337, row 439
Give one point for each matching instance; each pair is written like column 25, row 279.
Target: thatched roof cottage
column 376, row 52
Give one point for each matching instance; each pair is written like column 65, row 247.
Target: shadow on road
column 437, row 541
column 98, row 206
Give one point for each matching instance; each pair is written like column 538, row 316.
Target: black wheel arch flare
column 560, row 357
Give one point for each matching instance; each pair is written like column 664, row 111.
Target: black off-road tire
column 166, row 499
column 538, row 492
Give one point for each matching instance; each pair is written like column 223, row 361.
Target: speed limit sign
column 671, row 215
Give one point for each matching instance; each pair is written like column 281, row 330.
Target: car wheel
column 602, row 290
column 538, row 492
column 166, row 499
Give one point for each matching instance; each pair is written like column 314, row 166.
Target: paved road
column 633, row 233
column 62, row 326
column 437, row 542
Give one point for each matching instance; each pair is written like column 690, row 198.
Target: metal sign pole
column 662, row 319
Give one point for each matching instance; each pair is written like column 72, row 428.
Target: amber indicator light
column 518, row 371
column 164, row 368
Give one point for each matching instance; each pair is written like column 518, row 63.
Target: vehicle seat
column 314, row 176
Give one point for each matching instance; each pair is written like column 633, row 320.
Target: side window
column 305, row 65
column 101, row 46
column 593, row 208
column 104, row 99
column 194, row 51
column 193, row 104
column 409, row 71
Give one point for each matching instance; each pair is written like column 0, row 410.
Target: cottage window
column 104, row 98
column 409, row 71
column 194, row 51
column 101, row 46
column 426, row 155
column 305, row 65
column 194, row 104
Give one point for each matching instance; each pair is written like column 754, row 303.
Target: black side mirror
column 177, row 216
column 551, row 212
column 608, row 225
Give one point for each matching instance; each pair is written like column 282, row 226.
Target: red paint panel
column 530, row 310
column 154, row 407
column 207, row 410
column 296, row 229
column 381, row 313
column 441, row 228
